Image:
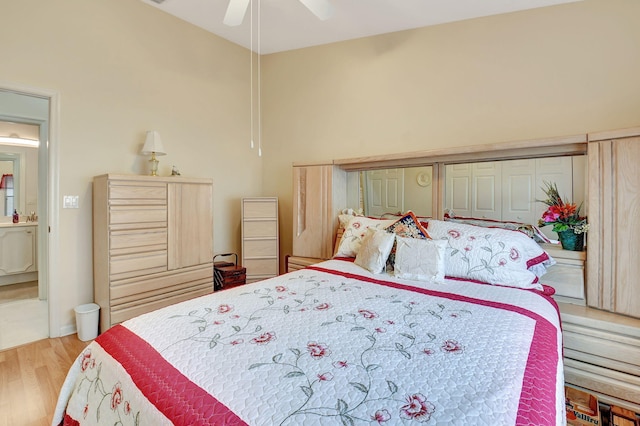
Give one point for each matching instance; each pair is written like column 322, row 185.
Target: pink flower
column 218, row 322
column 428, row 351
column 502, row 261
column 235, row 316
column 367, row 314
column 452, row 346
column 223, row 309
column 340, row 364
column 390, row 322
column 454, row 234
column 322, row 307
column 356, row 225
column 281, row 288
column 471, row 238
column 454, row 315
column 116, row 396
column 264, row 338
column 381, row 416
column 325, row 377
column 127, row 408
column 514, row 254
column 318, row 350
column 468, row 248
column 417, row 408
column 237, row 342
column 381, row 330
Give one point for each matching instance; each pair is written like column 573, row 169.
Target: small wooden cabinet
column 153, row 243
column 260, row 237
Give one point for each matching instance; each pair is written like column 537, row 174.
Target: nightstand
column 567, row 275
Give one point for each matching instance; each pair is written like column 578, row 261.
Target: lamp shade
column 152, row 144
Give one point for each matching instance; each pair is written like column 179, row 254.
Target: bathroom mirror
column 18, row 170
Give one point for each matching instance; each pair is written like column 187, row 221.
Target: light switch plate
column 70, row 201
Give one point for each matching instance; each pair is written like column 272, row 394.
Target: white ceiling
column 287, row 24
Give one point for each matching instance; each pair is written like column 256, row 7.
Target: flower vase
column 571, row 240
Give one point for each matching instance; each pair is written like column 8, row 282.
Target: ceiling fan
column 238, row 8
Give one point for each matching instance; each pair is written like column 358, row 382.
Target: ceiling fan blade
column 321, row 8
column 235, row 12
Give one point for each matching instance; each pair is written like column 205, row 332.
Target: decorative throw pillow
column 375, row 249
column 407, row 226
column 421, row 260
column 355, row 232
column 491, row 255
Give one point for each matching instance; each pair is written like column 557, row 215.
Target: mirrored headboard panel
column 497, row 181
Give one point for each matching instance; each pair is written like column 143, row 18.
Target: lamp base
column 154, row 164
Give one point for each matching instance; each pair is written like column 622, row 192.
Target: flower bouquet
column 565, row 218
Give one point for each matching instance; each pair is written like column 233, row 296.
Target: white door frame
column 52, row 251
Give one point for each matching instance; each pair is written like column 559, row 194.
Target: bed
column 331, row 344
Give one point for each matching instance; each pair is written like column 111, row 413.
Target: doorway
column 24, row 269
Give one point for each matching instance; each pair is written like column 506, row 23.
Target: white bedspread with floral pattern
column 328, row 345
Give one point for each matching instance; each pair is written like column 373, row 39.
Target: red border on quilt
column 538, row 383
column 171, row 392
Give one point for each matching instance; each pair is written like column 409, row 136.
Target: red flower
column 127, row 408
column 367, row 314
column 318, row 350
column 264, row 338
column 223, row 309
column 452, row 346
column 281, row 288
column 417, row 408
column 453, row 233
column 322, row 307
column 237, row 342
column 340, row 364
column 381, row 330
column 85, row 411
column 381, row 416
column 356, row 225
column 87, row 360
column 428, row 351
column 514, row 254
column 116, row 396
column 325, row 377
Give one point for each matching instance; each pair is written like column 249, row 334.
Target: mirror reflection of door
column 385, row 192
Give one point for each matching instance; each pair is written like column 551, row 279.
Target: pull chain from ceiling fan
column 259, row 84
column 259, row 80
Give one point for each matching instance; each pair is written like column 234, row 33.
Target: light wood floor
column 31, row 377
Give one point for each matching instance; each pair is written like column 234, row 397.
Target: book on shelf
column 582, row 407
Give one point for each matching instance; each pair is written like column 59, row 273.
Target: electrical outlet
column 70, row 201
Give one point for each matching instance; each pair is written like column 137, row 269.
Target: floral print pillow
column 355, row 232
column 490, row 255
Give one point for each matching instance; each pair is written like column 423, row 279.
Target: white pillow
column 375, row 249
column 421, row 260
column 355, row 232
column 490, row 255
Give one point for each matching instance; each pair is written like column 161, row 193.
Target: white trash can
column 87, row 318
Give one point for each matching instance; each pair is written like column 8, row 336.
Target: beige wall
column 121, row 68
column 546, row 72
